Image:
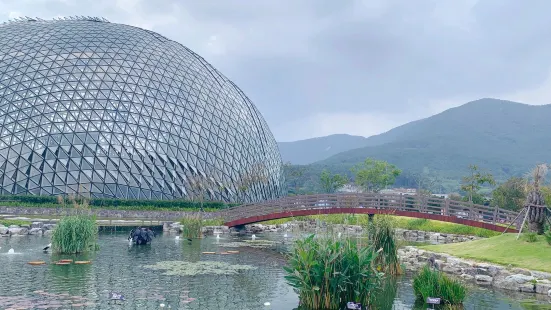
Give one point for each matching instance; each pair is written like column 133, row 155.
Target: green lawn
column 399, row 222
column 503, row 250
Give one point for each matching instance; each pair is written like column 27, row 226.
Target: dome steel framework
column 96, row 108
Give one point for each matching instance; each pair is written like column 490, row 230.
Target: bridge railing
column 409, row 203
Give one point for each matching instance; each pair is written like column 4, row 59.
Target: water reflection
column 120, row 268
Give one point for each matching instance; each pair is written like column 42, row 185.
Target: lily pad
column 181, row 268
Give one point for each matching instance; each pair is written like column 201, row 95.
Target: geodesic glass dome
column 110, row 110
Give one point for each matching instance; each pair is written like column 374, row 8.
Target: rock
column 483, row 271
column 48, row 226
column 35, row 231
column 494, row 270
column 549, row 293
column 483, row 279
column 466, row 277
column 3, row 230
column 527, row 288
column 37, row 224
column 48, row 232
column 13, row 226
column 543, row 287
column 512, row 282
column 541, row 275
column 18, row 230
column 451, row 269
column 470, row 271
column 521, row 271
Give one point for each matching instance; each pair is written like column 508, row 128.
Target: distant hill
column 507, row 138
column 307, row 151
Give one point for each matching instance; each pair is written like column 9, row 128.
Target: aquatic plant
column 383, row 236
column 327, row 272
column 432, row 283
column 75, row 234
column 259, row 244
column 191, row 226
column 181, row 268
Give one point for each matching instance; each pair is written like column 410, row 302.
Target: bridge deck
column 460, row 212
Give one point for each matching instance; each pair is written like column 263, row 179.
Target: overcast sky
column 319, row 67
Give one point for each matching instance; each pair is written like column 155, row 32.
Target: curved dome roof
column 117, row 111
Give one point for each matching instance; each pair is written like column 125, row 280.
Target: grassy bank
column 399, row 222
column 503, row 250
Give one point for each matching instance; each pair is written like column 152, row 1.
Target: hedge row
column 123, row 203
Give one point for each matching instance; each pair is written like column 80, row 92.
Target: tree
column 510, row 195
column 293, row 173
column 331, row 182
column 475, row 180
column 373, row 175
column 535, row 202
column 425, row 181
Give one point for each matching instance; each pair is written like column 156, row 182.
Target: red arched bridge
column 417, row 206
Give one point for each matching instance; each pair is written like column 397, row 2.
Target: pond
column 123, row 269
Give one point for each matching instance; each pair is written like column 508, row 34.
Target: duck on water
column 141, row 236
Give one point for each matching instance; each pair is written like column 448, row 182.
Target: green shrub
column 192, row 226
column 118, row 204
column 547, row 237
column 432, row 283
column 326, row 273
column 531, row 237
column 75, row 234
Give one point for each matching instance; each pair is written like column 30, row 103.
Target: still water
column 119, row 268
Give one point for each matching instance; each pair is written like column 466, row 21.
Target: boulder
column 18, row 230
column 521, row 271
column 513, row 282
column 543, row 287
column 452, row 269
column 483, row 279
column 37, row 225
column 541, row 275
column 549, row 293
column 527, row 288
column 3, row 230
column 466, row 277
column 35, row 231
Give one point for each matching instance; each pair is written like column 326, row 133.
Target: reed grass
column 432, row 283
column 382, row 235
column 192, row 226
column 76, row 233
column 328, row 272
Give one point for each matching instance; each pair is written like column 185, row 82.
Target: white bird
column 253, row 237
column 162, row 305
column 285, row 235
column 11, row 251
column 266, row 304
column 47, row 247
column 177, row 238
column 217, row 236
column 339, row 235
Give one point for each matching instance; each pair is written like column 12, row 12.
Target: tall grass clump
column 76, row 233
column 383, row 236
column 192, row 226
column 531, row 237
column 327, row 273
column 432, row 283
column 547, row 237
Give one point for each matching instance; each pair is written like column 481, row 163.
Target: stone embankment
column 35, row 228
column 483, row 274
